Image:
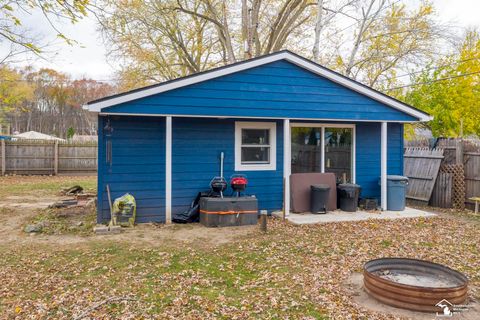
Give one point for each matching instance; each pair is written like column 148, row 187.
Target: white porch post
column 168, row 170
column 286, row 165
column 383, row 170
column 322, row 150
column 354, row 155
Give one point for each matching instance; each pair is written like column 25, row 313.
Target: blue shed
column 271, row 116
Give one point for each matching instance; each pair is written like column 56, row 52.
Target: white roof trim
column 163, row 115
column 285, row 55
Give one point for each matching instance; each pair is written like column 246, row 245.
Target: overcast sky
column 87, row 58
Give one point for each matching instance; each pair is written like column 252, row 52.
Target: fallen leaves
column 292, row 272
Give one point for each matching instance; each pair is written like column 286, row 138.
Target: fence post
column 459, row 151
column 4, row 162
column 55, row 159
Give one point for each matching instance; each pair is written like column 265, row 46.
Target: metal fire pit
column 413, row 284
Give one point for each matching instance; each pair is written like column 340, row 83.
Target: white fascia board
column 303, row 63
column 162, row 115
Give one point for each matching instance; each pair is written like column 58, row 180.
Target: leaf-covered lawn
column 294, row 272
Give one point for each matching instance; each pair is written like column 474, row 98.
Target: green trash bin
column 396, row 192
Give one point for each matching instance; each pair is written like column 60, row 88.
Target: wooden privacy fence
column 465, row 153
column 442, row 192
column 47, row 157
column 471, row 162
column 421, row 167
column 458, row 177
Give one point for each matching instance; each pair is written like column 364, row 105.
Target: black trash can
column 348, row 194
column 319, row 198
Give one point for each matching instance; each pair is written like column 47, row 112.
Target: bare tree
column 12, row 31
column 152, row 41
column 48, row 101
column 157, row 40
column 370, row 12
column 258, row 37
column 215, row 14
column 326, row 13
column 385, row 36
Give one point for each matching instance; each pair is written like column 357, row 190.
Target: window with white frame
column 255, row 146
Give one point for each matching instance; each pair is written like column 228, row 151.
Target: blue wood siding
column 138, row 165
column 277, row 90
column 197, row 144
column 368, row 155
column 138, row 162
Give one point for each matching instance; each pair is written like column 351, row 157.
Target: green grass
column 157, row 277
column 43, row 185
column 386, row 243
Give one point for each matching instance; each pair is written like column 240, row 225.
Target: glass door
column 338, row 153
column 306, row 149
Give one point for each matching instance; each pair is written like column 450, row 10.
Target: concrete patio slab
column 341, row 216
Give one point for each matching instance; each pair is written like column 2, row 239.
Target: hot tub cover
column 300, row 184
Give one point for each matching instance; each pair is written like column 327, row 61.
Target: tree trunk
column 318, row 30
column 367, row 19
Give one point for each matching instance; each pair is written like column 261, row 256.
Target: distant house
column 162, row 143
column 423, row 133
column 84, row 138
column 33, row 135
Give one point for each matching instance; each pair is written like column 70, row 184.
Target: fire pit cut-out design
column 413, row 284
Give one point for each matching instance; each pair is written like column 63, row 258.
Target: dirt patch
column 191, row 235
column 355, row 286
column 63, row 227
column 71, row 212
column 188, row 234
column 27, row 202
column 16, row 211
column 19, row 207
